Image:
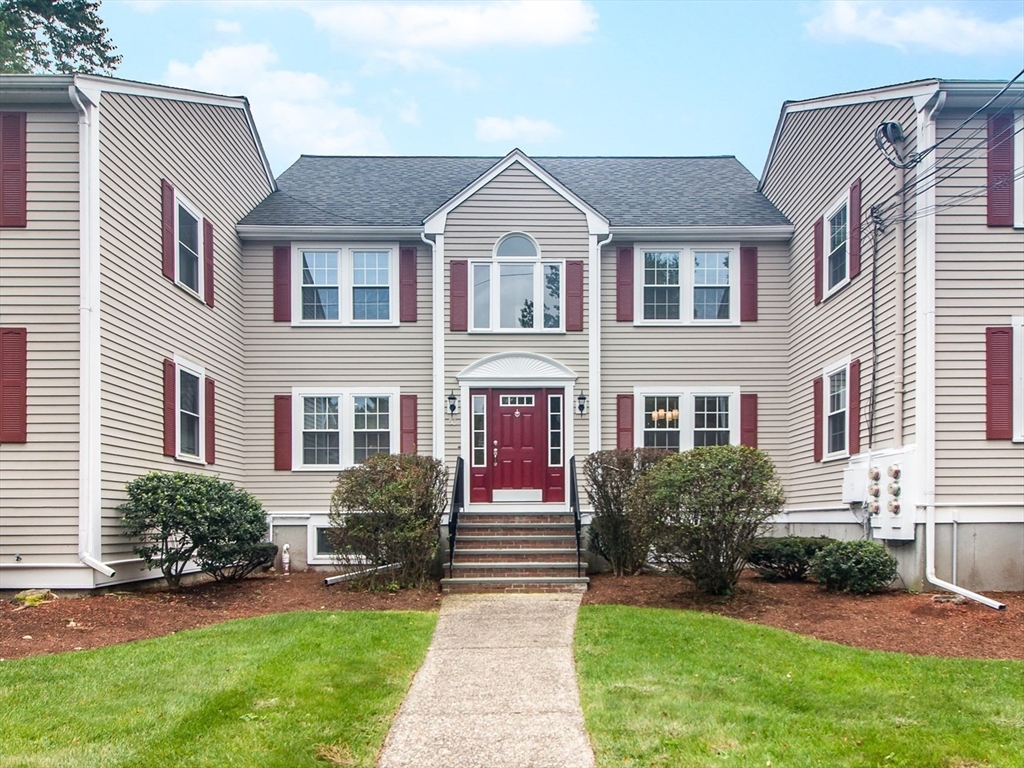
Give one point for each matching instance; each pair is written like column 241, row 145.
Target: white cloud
column 518, row 129
column 295, row 112
column 456, row 25
column 382, row 62
column 227, row 27
column 942, row 27
column 410, row 113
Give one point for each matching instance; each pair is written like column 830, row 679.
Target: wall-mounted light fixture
column 453, row 404
column 581, row 403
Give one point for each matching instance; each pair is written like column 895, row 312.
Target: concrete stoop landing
column 497, row 689
column 515, row 550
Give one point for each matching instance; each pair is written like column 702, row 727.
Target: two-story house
column 514, row 313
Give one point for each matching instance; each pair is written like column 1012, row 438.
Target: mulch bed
column 895, row 621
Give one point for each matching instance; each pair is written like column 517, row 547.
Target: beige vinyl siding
column 208, row 154
column 820, row 153
column 516, row 201
column 280, row 356
column 979, row 282
column 39, row 290
column 751, row 356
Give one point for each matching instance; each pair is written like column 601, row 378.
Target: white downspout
column 90, row 523
column 437, row 334
column 925, row 201
column 595, row 341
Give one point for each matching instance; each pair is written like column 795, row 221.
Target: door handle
column 495, row 452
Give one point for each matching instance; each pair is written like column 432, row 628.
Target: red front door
column 516, row 440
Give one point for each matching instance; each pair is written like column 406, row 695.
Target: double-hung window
column 836, row 421
column 678, row 420
column 516, row 290
column 189, row 240
column 335, row 428
column 348, row 285
column 837, row 245
column 190, row 410
column 691, row 285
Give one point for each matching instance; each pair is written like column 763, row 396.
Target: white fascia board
column 918, row 89
column 434, row 224
column 94, row 86
column 776, row 232
column 260, row 232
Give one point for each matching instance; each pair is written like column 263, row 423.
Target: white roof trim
column 280, row 232
column 434, row 224
column 94, row 86
column 782, row 232
column 913, row 90
column 516, row 368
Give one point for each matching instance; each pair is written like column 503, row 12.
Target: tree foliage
column 387, row 512
column 177, row 517
column 54, row 36
column 710, row 504
column 859, row 566
column 622, row 538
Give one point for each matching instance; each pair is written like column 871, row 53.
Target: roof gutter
column 776, row 232
column 261, row 232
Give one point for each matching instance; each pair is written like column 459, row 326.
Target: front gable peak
column 597, row 224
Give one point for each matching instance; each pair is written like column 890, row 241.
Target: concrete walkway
column 497, row 689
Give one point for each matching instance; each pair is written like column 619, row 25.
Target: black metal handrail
column 458, row 502
column 574, row 504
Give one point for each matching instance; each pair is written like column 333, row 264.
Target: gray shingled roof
column 628, row 191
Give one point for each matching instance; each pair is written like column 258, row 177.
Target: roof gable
column 434, row 224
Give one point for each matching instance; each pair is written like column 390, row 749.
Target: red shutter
column 624, row 422
column 167, row 228
column 282, row 432
column 13, row 385
column 855, row 229
column 624, row 286
column 999, row 383
column 282, row 284
column 818, row 415
column 208, row 260
column 409, row 414
column 574, row 295
column 1000, row 170
column 853, row 408
column 170, row 414
column 407, row 309
column 211, row 421
column 748, row 420
column 748, row 285
column 13, row 170
column 819, row 248
column 458, row 296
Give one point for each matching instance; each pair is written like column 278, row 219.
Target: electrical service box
column 883, row 486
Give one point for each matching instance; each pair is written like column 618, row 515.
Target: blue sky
column 553, row 77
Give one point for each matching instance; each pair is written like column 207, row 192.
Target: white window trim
column 345, row 253
column 687, row 399
column 686, row 282
column 1018, row 378
column 538, row 293
column 199, row 293
column 182, row 364
column 826, row 245
column 345, row 423
column 826, row 371
column 500, row 240
column 313, row 556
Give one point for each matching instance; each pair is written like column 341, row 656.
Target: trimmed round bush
column 860, row 567
column 785, row 558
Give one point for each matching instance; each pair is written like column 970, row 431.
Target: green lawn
column 270, row 691
column 681, row 688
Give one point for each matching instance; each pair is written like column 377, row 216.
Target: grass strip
column 682, row 688
column 298, row 689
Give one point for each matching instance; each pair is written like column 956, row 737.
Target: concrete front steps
column 508, row 548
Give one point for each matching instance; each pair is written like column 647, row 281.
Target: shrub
column 624, row 540
column 710, row 504
column 388, row 512
column 785, row 558
column 860, row 566
column 176, row 517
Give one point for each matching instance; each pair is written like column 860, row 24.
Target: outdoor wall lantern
column 581, row 403
column 453, row 404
